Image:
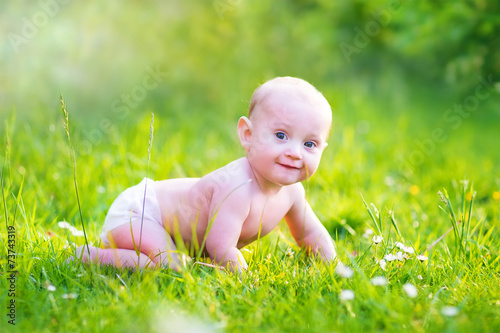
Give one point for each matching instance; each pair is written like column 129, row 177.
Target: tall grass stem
column 72, row 152
column 151, row 130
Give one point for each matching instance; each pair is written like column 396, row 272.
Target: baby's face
column 289, row 133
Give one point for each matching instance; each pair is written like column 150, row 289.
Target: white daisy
column 70, row 296
column 344, row 271
column 74, row 231
column 390, row 257
column 49, row 286
column 382, row 264
column 346, row 295
column 450, row 311
column 377, row 239
column 64, row 225
column 368, row 232
column 410, row 290
column 407, row 249
column 379, row 281
column 422, row 258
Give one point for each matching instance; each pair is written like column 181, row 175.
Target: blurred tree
column 447, row 41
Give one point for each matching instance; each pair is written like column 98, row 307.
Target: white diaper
column 129, row 206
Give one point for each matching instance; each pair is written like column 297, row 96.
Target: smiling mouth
column 290, row 167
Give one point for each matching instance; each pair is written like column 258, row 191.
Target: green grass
column 282, row 291
column 385, row 110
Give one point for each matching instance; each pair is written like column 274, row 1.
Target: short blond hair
column 279, row 83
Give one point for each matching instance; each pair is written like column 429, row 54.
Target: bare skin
column 231, row 207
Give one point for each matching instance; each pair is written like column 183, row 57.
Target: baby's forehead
column 288, row 113
column 286, row 90
column 276, row 102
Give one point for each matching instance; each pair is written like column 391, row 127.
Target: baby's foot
column 83, row 252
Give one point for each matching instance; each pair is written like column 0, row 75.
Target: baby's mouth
column 288, row 166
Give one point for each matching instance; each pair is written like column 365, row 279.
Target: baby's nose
column 293, row 152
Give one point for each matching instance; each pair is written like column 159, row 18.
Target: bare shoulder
column 228, row 183
column 296, row 192
column 229, row 173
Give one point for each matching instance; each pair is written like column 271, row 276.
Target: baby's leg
column 156, row 247
column 115, row 257
column 156, row 242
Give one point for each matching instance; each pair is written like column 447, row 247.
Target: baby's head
column 286, row 130
column 288, row 87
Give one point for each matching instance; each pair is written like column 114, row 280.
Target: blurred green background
column 214, row 53
column 413, row 86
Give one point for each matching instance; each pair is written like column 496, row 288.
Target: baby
column 284, row 137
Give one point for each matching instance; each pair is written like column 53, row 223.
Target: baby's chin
column 286, row 181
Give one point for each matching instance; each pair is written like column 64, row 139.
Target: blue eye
column 310, row 144
column 281, row 135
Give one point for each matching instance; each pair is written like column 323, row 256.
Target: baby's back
column 178, row 210
column 186, row 203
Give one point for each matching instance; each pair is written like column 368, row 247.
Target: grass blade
column 2, row 172
column 473, row 196
column 371, row 215
column 151, row 130
column 395, row 224
column 6, row 213
column 72, row 151
column 451, row 214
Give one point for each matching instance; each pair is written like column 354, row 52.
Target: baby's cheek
column 311, row 168
column 263, row 139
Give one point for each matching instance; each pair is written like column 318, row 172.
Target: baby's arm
column 225, row 230
column 306, row 228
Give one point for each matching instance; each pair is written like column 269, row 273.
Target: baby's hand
column 238, row 265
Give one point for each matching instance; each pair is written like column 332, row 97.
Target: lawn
column 456, row 288
column 402, row 163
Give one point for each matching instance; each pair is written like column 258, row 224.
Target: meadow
column 402, row 163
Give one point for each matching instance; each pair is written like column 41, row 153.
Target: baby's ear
column 245, row 132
